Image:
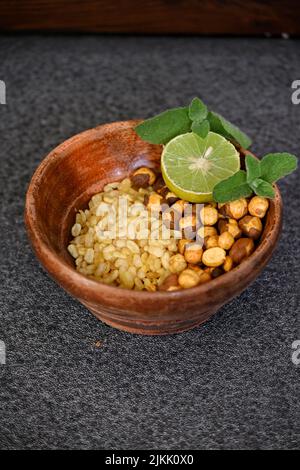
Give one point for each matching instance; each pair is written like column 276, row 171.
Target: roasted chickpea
column 228, row 264
column 258, row 206
column 211, row 242
column 226, row 240
column 143, row 177
column 163, row 191
column 170, row 282
column 153, row 201
column 251, row 226
column 214, row 257
column 204, row 277
column 209, row 215
column 171, row 198
column 188, row 226
column 206, row 231
column 159, row 185
column 188, row 278
column 235, row 209
column 179, row 206
column 241, row 249
column 231, row 226
column 193, row 253
column 177, row 263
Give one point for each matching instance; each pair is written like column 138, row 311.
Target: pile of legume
column 132, row 252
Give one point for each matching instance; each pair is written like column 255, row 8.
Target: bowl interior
column 81, row 166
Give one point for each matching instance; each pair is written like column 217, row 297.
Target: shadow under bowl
column 64, row 183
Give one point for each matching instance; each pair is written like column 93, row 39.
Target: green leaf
column 263, row 188
column 165, row 126
column 197, row 110
column 221, row 126
column 201, row 128
column 253, row 168
column 276, row 165
column 232, row 188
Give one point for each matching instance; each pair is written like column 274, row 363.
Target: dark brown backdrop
column 153, row 16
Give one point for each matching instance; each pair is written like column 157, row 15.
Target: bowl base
column 151, row 328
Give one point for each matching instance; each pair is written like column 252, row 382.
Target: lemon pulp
column 192, row 166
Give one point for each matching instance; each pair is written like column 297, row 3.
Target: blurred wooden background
column 209, row 17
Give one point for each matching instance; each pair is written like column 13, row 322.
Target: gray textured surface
column 230, row 384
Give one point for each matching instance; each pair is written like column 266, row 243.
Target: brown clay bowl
column 65, row 181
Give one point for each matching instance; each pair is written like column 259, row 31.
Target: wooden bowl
column 65, row 181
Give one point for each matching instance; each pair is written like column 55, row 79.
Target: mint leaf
column 232, row 188
column 201, row 128
column 221, row 126
column 197, row 110
column 253, row 168
column 263, row 188
column 276, row 165
column 165, row 126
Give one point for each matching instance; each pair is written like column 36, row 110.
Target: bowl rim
column 69, row 276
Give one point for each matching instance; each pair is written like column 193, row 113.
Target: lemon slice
column 192, row 166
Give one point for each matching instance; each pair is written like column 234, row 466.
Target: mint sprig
column 276, row 165
column 220, row 125
column 165, row 126
column 263, row 188
column 232, row 188
column 253, row 167
column 196, row 118
column 197, row 110
column 201, row 128
column 258, row 177
column 198, row 113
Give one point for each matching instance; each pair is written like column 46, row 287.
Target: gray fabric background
column 230, row 384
